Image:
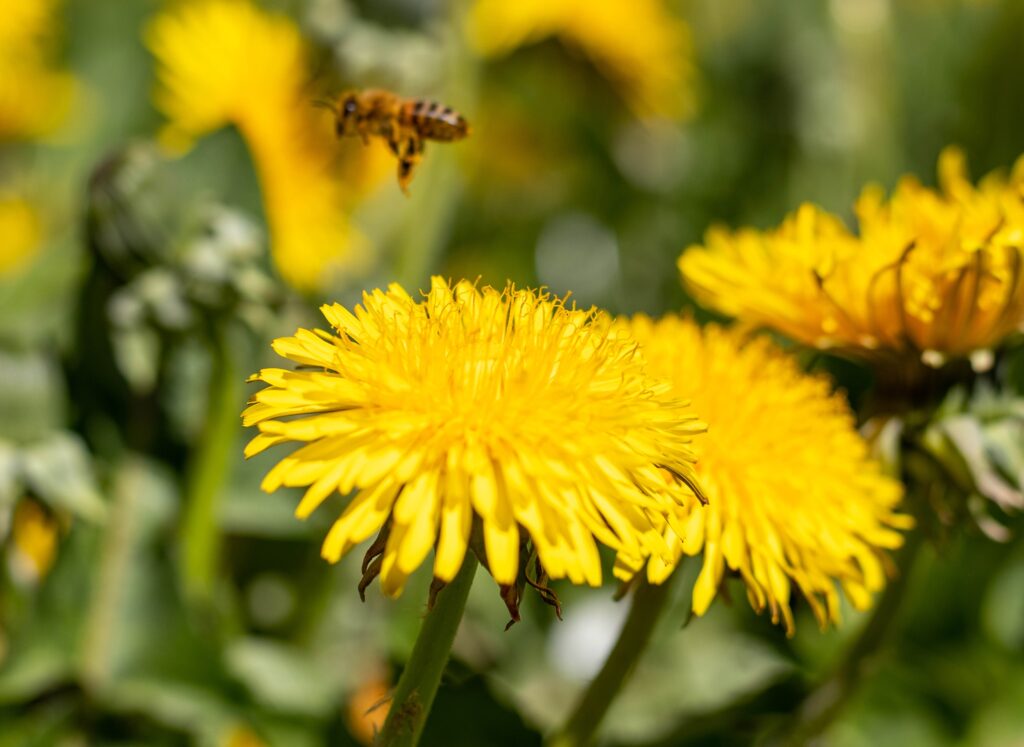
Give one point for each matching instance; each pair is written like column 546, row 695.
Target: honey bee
column 404, row 124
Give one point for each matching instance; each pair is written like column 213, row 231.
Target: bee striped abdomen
column 433, row 121
column 403, row 124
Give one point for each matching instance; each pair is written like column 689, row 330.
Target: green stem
column 207, row 474
column 826, row 701
column 418, row 684
column 120, row 534
column 649, row 601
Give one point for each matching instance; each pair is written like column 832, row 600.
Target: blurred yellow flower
column 35, row 96
column 21, row 233
column 34, row 535
column 226, row 62
column 367, row 708
column 242, row 736
column 793, row 498
column 496, row 409
column 931, row 273
column 640, row 46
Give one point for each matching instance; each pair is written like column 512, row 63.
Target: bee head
column 348, row 114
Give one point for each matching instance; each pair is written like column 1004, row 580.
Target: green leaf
column 49, row 724
column 32, row 397
column 284, row 677
column 1000, row 722
column 59, row 470
column 200, row 711
column 969, row 440
column 1003, row 610
column 40, row 664
column 44, row 638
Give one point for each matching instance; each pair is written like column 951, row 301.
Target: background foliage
column 151, row 594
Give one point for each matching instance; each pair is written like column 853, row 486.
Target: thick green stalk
column 418, row 684
column 207, row 475
column 649, row 601
column 826, row 701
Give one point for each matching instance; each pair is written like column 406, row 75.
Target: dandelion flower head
column 35, row 535
column 931, row 273
column 793, row 498
column 21, row 233
column 640, row 46
column 35, row 94
column 504, row 409
column 227, row 62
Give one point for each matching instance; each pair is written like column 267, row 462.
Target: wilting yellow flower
column 35, row 96
column 226, row 62
column 21, row 233
column 640, row 46
column 932, row 273
column 498, row 408
column 793, row 498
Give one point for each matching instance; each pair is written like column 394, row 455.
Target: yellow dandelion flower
column 793, row 498
column 35, row 96
column 227, row 62
column 34, row 535
column 931, row 273
column 501, row 409
column 640, row 46
column 21, row 233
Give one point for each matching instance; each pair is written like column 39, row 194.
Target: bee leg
column 393, row 144
column 410, row 152
column 362, row 127
column 405, row 169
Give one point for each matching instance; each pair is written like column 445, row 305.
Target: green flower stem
column 207, row 474
column 649, row 601
column 826, row 701
column 103, row 624
column 418, row 684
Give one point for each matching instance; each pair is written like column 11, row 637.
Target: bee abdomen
column 436, row 122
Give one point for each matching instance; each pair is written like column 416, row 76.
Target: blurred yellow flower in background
column 35, row 95
column 502, row 409
column 227, row 62
column 640, row 46
column 793, row 497
column 21, row 233
column 34, row 534
column 242, row 736
column 367, row 708
column 931, row 273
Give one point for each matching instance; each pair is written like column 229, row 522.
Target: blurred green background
column 151, row 594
